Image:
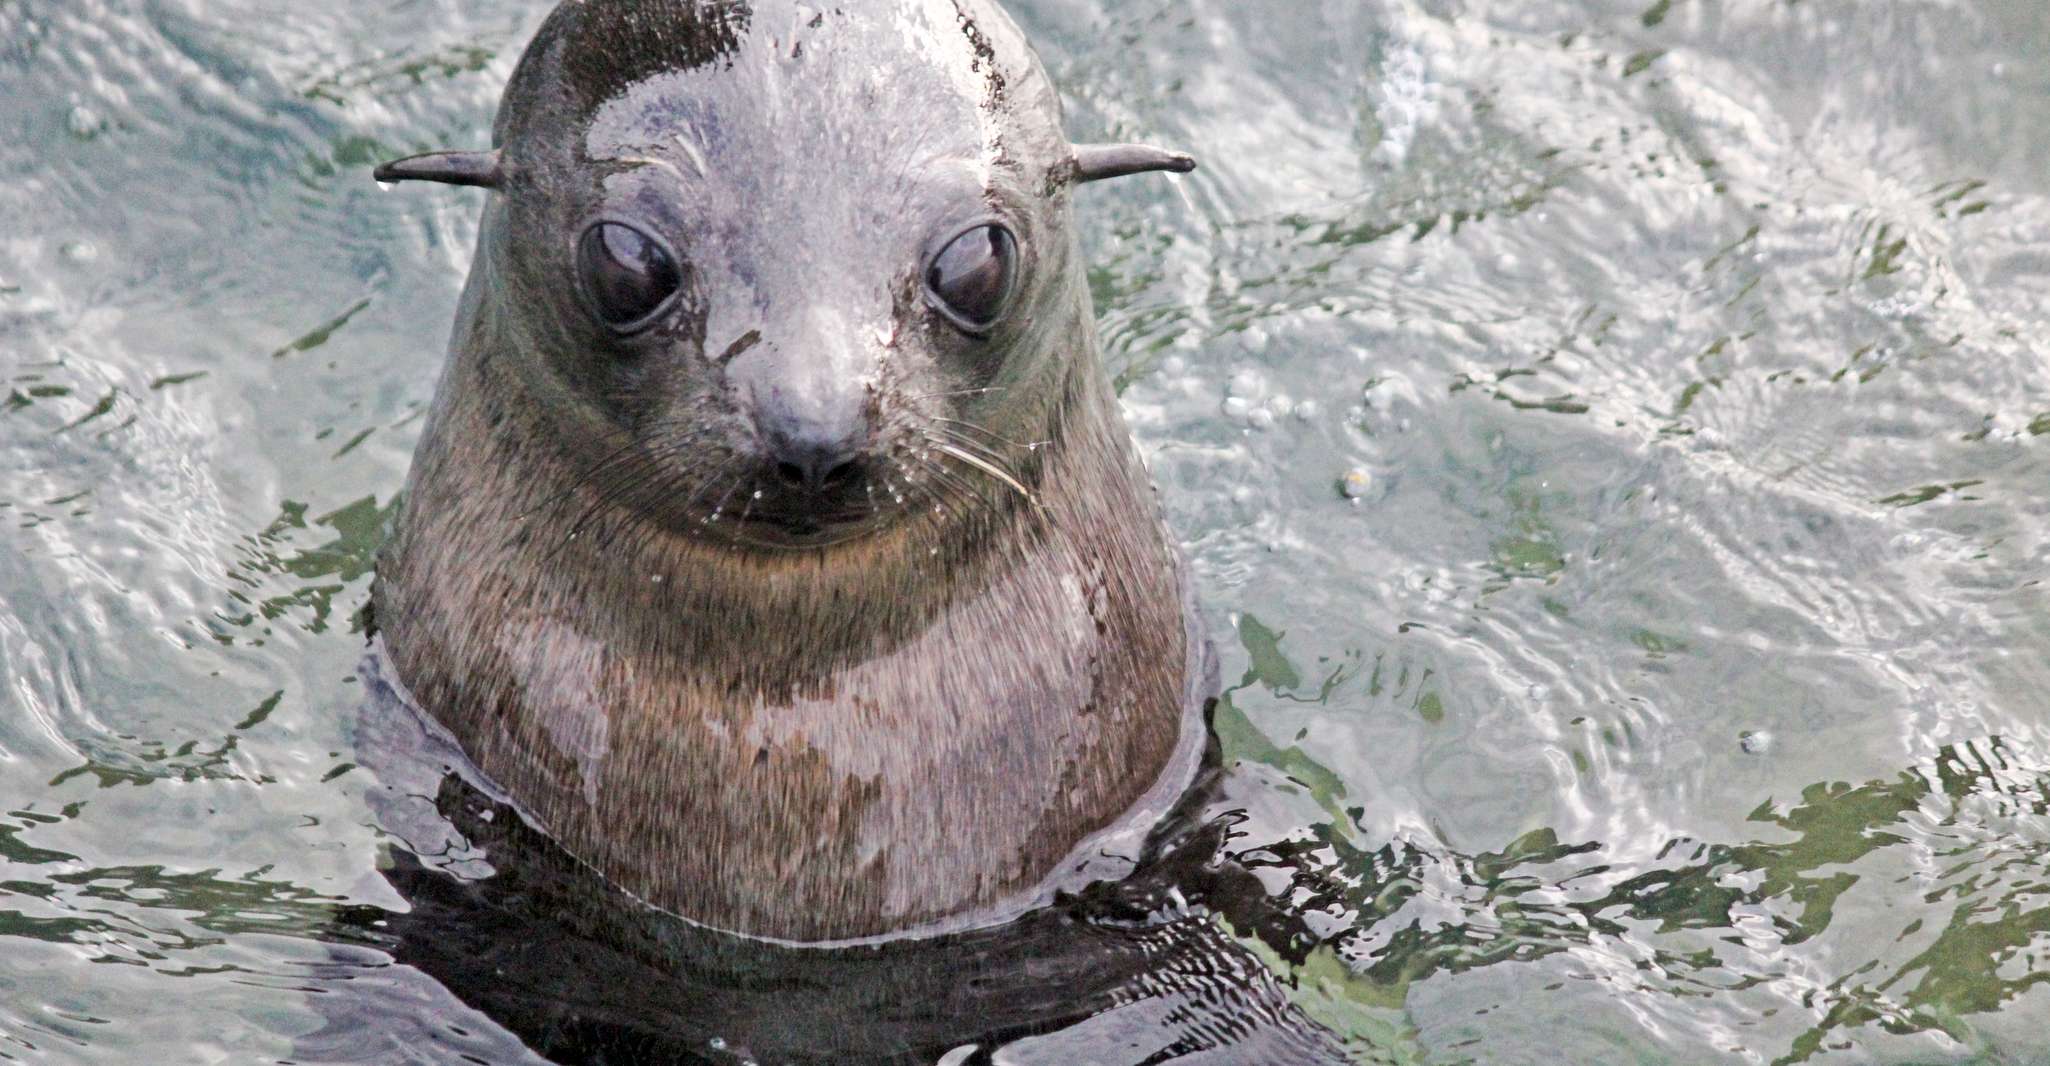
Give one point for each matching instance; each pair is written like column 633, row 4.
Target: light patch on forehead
column 916, row 82
column 960, row 50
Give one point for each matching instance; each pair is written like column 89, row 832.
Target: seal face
column 774, row 540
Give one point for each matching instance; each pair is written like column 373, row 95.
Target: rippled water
column 1614, row 440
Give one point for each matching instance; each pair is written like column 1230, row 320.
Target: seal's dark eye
column 970, row 280
column 628, row 275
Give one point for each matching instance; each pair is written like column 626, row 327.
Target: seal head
column 774, row 540
column 734, row 197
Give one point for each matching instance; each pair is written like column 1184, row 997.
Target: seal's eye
column 970, row 280
column 628, row 275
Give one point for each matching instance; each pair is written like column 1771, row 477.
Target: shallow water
column 1613, row 439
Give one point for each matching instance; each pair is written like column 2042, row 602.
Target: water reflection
column 1940, row 865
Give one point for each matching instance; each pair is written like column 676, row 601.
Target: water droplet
column 760, row 494
column 85, row 123
column 1358, row 482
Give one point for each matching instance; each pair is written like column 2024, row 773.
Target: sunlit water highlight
column 1614, row 440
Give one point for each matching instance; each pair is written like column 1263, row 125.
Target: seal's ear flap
column 1095, row 162
column 481, row 169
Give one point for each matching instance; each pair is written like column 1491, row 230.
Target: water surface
column 1612, row 437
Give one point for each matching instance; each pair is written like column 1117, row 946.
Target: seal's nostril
column 839, row 475
column 816, row 470
column 810, row 457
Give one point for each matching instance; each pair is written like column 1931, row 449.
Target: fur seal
column 774, row 541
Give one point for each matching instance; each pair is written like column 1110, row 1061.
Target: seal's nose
column 810, row 453
column 814, row 466
column 813, row 415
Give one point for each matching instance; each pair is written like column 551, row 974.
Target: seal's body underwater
column 775, row 542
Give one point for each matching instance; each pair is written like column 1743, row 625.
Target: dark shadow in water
column 1138, row 971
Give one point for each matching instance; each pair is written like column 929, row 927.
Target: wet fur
column 914, row 723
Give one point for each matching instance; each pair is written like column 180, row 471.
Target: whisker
column 960, row 392
column 979, row 449
column 719, row 508
column 589, row 474
column 748, row 511
column 961, row 488
column 948, row 448
column 993, row 435
column 623, row 484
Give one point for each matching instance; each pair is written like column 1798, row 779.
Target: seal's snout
column 812, row 454
column 815, row 467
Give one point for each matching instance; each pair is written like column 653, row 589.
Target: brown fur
column 816, row 744
column 1022, row 693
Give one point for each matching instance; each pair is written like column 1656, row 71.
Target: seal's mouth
column 798, row 519
column 805, row 532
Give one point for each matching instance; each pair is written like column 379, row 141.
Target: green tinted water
column 1614, row 439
